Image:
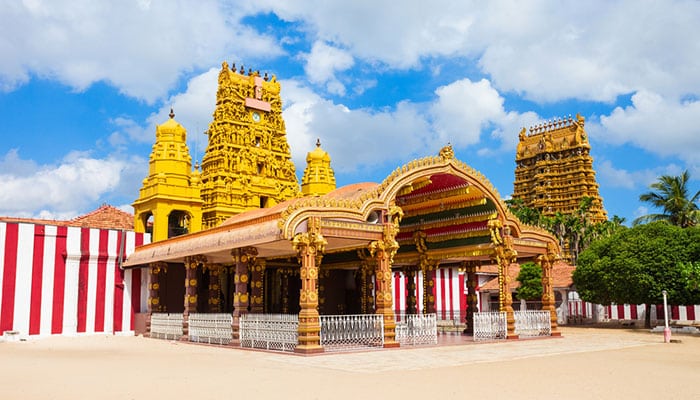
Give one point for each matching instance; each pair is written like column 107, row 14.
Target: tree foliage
column 672, row 196
column 634, row 265
column 530, row 278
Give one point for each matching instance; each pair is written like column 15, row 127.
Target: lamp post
column 667, row 330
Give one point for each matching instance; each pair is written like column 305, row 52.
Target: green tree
column 634, row 265
column 530, row 278
column 526, row 215
column 671, row 195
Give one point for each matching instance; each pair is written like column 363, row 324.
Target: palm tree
column 670, row 194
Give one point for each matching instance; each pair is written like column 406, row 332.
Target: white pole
column 667, row 330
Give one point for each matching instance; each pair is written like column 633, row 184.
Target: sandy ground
column 586, row 363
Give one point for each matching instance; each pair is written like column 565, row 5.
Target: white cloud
column 322, row 64
column 640, row 179
column 660, row 125
column 141, row 48
column 61, row 190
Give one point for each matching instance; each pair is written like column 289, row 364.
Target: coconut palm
column 670, row 194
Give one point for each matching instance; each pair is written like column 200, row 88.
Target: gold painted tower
column 247, row 163
column 554, row 169
column 319, row 178
column 169, row 202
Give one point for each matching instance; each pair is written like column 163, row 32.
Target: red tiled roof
column 561, row 277
column 105, row 217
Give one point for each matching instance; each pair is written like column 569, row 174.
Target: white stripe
column 47, row 279
column 23, row 281
column 70, row 294
column 112, row 238
column 126, row 301
column 92, row 280
column 419, row 291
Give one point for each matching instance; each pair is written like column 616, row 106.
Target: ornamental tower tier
column 247, row 163
column 169, row 202
column 319, row 178
column 554, row 169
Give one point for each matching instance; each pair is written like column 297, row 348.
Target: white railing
column 532, row 323
column 269, row 331
column 350, row 332
column 166, row 326
column 416, row 329
column 210, row 328
column 490, row 326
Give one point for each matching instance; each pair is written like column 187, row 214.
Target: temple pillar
column 504, row 255
column 546, row 262
column 470, row 272
column 242, row 260
column 256, row 288
column 214, row 288
column 154, row 303
column 190, row 300
column 383, row 251
column 309, row 246
column 428, row 267
column 411, row 295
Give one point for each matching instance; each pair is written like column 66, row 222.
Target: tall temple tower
column 169, row 201
column 319, row 177
column 247, row 163
column 554, row 169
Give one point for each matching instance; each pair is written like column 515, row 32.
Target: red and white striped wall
column 58, row 280
column 636, row 312
column 449, row 291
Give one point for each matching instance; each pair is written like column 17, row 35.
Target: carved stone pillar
column 504, row 255
column 546, row 262
column 470, row 271
column 190, row 300
column 214, row 288
column 309, row 246
column 411, row 295
column 242, row 259
column 256, row 288
column 383, row 251
column 154, row 303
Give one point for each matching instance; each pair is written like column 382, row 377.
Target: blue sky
column 83, row 84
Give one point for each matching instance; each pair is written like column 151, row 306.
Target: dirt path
column 585, row 364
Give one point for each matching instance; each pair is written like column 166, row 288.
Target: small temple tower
column 319, row 177
column 169, row 198
column 554, row 169
column 247, row 163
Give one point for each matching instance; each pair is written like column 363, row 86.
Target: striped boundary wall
column 62, row 280
column 449, row 291
column 636, row 312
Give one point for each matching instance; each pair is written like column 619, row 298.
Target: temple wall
column 449, row 291
column 61, row 280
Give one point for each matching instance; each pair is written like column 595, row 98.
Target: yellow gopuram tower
column 319, row 178
column 247, row 163
column 554, row 169
column 169, row 202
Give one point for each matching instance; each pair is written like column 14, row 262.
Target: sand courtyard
column 586, row 363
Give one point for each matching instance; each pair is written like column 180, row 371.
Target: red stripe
column 138, row 239
column 118, row 286
column 675, row 314
column 135, row 294
column 59, row 280
column 620, row 311
column 451, row 297
column 442, row 292
column 7, row 312
column 83, row 278
column 101, row 280
column 633, row 311
column 690, row 312
column 462, row 298
column 37, row 269
column 397, row 291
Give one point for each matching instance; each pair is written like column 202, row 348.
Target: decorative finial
column 172, row 114
column 446, row 153
column 233, row 67
column 318, row 142
column 242, row 70
column 266, row 78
